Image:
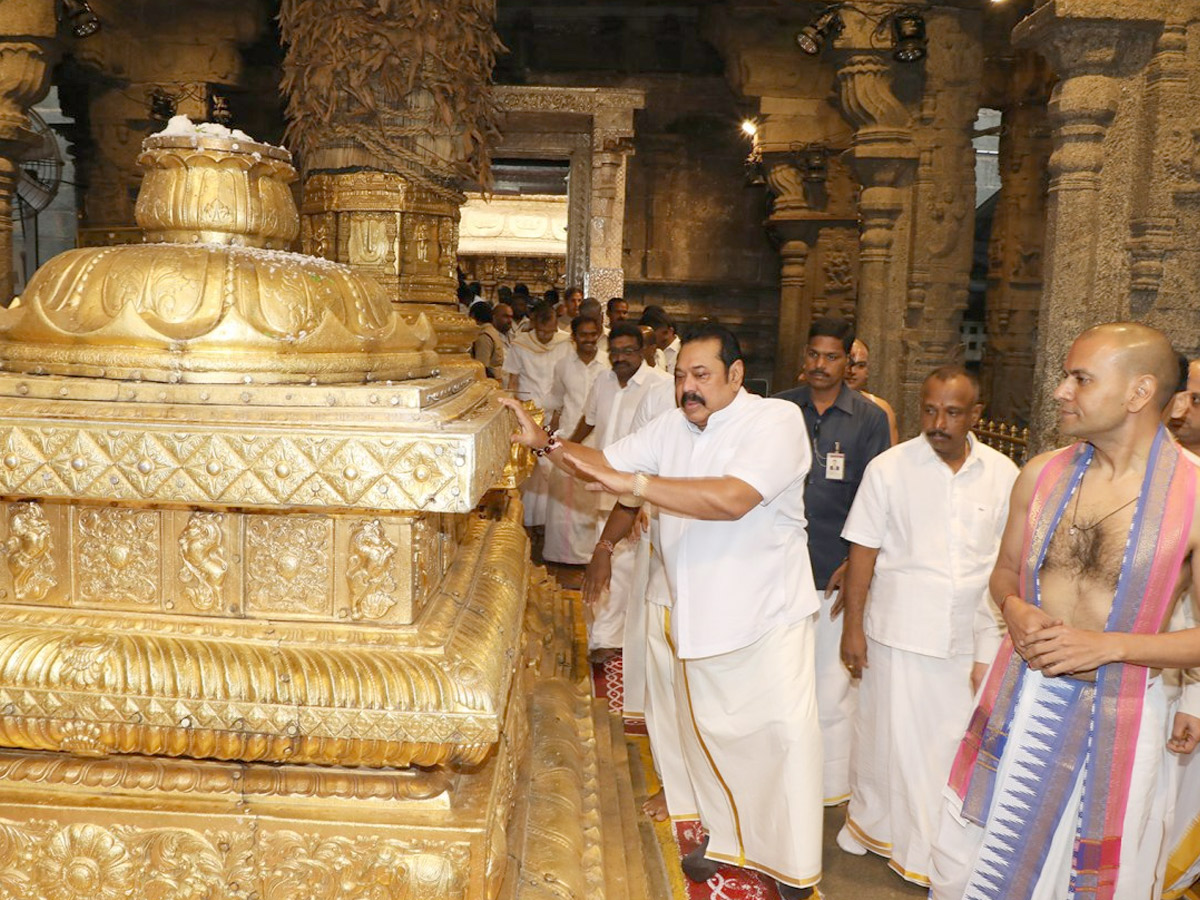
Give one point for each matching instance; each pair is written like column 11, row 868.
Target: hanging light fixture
column 812, row 37
column 83, row 22
column 908, row 30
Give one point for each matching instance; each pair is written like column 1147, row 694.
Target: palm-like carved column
column 391, row 113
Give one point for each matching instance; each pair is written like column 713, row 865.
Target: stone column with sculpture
column 1099, row 60
column 884, row 158
column 28, row 49
column 944, row 198
column 813, row 218
column 390, row 110
column 1015, row 249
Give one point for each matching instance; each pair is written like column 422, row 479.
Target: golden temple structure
column 272, row 630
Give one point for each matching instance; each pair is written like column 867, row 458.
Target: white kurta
column 659, row 398
column 610, row 409
column 571, row 507
column 533, row 363
column 938, row 533
column 742, row 634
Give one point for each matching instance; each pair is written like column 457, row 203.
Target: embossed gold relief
column 117, row 557
column 369, row 571
column 88, row 861
column 29, row 549
column 288, row 565
column 204, row 561
column 212, row 297
column 363, row 447
column 90, row 682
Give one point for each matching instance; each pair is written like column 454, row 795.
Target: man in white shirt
column 611, row 404
column 529, row 364
column 923, row 531
column 664, row 334
column 726, row 470
column 571, row 513
column 647, row 667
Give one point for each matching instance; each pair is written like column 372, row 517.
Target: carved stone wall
column 1015, row 251
column 694, row 241
column 1123, row 213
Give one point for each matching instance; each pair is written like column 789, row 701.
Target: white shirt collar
column 721, row 416
column 929, row 455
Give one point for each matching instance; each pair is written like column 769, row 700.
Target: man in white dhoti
column 726, row 470
column 846, row 431
column 611, row 405
column 529, row 363
column 924, row 531
column 1054, row 793
column 571, row 512
column 647, row 665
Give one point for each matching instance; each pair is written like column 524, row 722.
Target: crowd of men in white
column 809, row 609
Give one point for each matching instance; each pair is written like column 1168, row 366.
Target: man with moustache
column 846, row 431
column 726, row 471
column 1055, row 791
column 923, row 533
column 609, row 411
column 617, row 309
column 571, row 514
column 529, row 364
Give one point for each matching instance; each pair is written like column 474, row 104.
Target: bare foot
column 656, row 807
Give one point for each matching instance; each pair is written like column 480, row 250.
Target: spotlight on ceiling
column 908, row 29
column 749, row 127
column 83, row 22
column 812, row 37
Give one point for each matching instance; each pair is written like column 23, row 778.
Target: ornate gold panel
column 294, row 686
column 116, row 557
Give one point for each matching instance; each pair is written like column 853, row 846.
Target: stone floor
column 847, row 877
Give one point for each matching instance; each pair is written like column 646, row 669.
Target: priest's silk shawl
column 1090, row 725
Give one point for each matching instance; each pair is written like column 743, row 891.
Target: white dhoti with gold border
column 633, row 646
column 959, row 843
column 748, row 726
column 662, row 713
column 912, row 711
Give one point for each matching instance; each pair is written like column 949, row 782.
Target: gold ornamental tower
column 266, row 632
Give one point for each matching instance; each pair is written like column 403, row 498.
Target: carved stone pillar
column 1099, row 62
column 813, row 219
column 612, row 145
column 884, row 158
column 390, row 122
column 943, row 222
column 27, row 48
column 1016, row 248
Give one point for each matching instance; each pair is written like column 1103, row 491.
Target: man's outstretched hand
column 528, row 434
column 602, row 477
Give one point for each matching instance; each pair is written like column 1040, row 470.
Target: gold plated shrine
column 270, row 629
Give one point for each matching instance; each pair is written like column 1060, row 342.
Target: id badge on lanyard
column 835, row 464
